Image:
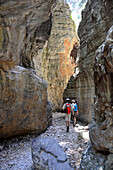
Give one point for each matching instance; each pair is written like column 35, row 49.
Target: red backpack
column 68, row 108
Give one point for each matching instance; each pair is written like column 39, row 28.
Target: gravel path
column 15, row 154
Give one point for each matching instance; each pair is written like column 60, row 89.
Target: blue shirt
column 75, row 107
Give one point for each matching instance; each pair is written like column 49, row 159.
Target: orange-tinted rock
column 57, row 64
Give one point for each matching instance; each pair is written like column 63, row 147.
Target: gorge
column 43, row 61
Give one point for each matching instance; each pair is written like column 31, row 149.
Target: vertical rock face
column 102, row 133
column 24, row 108
column 20, row 22
column 101, row 128
column 36, row 38
column 96, row 21
column 57, row 63
column 100, row 153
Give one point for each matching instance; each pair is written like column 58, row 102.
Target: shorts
column 68, row 117
column 75, row 114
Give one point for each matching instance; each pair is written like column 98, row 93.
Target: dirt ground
column 15, row 154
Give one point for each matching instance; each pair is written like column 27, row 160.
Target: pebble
column 17, row 154
column 1, row 147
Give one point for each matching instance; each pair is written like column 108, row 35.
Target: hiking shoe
column 67, row 129
column 74, row 125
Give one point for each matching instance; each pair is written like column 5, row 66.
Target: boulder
column 23, row 103
column 92, row 159
column 47, row 154
column 25, row 27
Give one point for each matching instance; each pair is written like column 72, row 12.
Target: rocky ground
column 15, row 154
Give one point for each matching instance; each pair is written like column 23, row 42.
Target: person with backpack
column 75, row 111
column 68, row 108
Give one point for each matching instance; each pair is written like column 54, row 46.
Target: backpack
column 68, row 108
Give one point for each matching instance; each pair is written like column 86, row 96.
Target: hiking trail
column 15, row 154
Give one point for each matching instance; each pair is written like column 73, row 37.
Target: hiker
column 75, row 111
column 68, row 108
column 72, row 115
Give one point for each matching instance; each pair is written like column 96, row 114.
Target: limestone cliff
column 36, row 39
column 57, row 59
column 101, row 128
column 96, row 21
column 24, row 107
column 99, row 154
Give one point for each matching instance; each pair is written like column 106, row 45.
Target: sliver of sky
column 76, row 6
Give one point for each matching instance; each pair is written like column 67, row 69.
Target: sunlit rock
column 23, row 103
column 25, row 27
column 58, row 59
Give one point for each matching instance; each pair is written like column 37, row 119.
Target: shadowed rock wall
column 96, row 21
column 101, row 128
column 100, row 152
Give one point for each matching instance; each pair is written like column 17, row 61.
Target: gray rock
column 109, row 162
column 100, row 154
column 24, row 29
column 101, row 128
column 1, row 147
column 96, row 21
column 24, row 103
column 47, row 154
column 92, row 160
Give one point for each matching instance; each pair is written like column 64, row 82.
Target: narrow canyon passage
column 50, row 51
column 15, row 154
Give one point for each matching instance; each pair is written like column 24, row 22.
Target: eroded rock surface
column 23, row 103
column 101, row 128
column 57, row 60
column 22, row 25
column 39, row 35
column 97, row 18
column 24, row 107
column 48, row 154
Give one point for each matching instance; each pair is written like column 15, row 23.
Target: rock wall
column 103, row 113
column 36, row 38
column 96, row 21
column 99, row 154
column 101, row 128
column 24, row 107
column 57, row 59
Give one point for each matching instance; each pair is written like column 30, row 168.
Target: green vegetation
column 71, row 16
